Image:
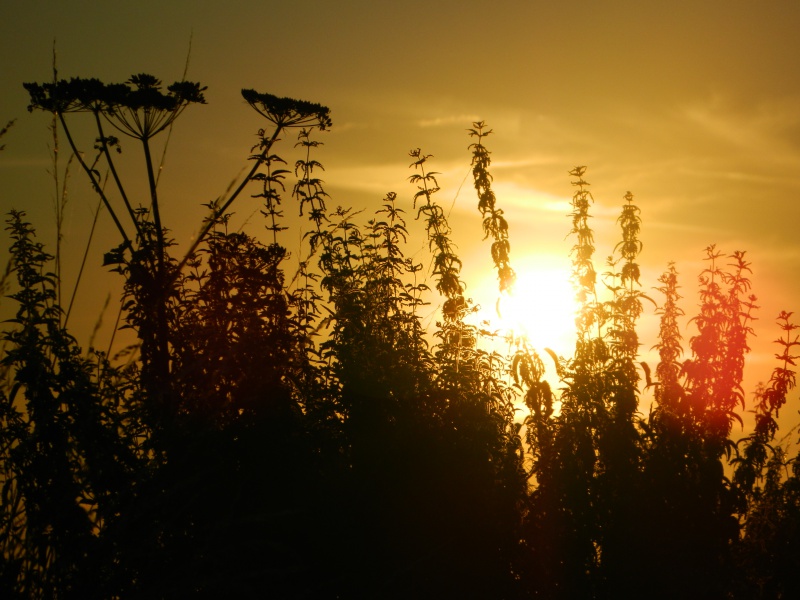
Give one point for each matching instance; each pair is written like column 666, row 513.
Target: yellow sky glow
column 692, row 106
column 541, row 308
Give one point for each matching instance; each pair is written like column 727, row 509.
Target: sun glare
column 542, row 308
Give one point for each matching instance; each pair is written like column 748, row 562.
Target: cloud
column 460, row 120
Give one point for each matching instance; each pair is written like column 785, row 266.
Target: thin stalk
column 58, row 204
column 95, row 183
column 154, row 203
column 114, row 173
column 83, row 264
column 99, row 323
column 116, row 326
column 169, row 131
column 220, row 211
column 161, row 345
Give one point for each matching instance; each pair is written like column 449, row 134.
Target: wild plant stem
column 104, row 146
column 154, row 204
column 91, row 174
column 116, row 326
column 169, row 131
column 220, row 211
column 83, row 264
column 59, row 220
column 161, row 359
column 58, row 204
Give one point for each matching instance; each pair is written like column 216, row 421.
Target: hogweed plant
column 304, row 435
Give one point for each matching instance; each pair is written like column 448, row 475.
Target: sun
column 542, row 308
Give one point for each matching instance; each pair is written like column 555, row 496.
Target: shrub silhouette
column 301, row 435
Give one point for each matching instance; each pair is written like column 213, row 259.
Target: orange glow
column 541, row 308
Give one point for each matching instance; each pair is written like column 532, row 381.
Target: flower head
column 138, row 108
column 66, row 95
column 287, row 112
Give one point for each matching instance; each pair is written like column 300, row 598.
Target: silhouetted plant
column 305, row 436
column 271, row 180
column 768, row 400
column 67, row 452
column 494, row 223
column 584, row 274
column 769, row 554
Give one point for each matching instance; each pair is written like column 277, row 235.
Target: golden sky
column 692, row 106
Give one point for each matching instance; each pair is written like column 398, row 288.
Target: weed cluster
column 303, row 436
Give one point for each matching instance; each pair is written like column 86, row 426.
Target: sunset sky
column 692, row 106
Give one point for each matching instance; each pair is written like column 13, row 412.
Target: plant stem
column 220, row 211
column 114, row 173
column 154, row 204
column 83, row 264
column 126, row 240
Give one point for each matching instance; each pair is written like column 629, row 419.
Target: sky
column 694, row 107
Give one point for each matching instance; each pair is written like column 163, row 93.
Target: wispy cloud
column 450, row 120
column 761, row 126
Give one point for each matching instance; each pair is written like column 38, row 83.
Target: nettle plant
column 301, row 433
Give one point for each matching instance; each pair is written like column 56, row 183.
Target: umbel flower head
column 67, row 95
column 138, row 108
column 287, row 112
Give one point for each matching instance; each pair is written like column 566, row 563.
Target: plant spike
column 583, row 272
column 494, row 223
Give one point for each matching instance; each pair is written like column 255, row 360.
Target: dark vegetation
column 299, row 434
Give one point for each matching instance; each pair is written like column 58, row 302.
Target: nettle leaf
column 115, row 256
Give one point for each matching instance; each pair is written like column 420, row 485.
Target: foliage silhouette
column 304, row 436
